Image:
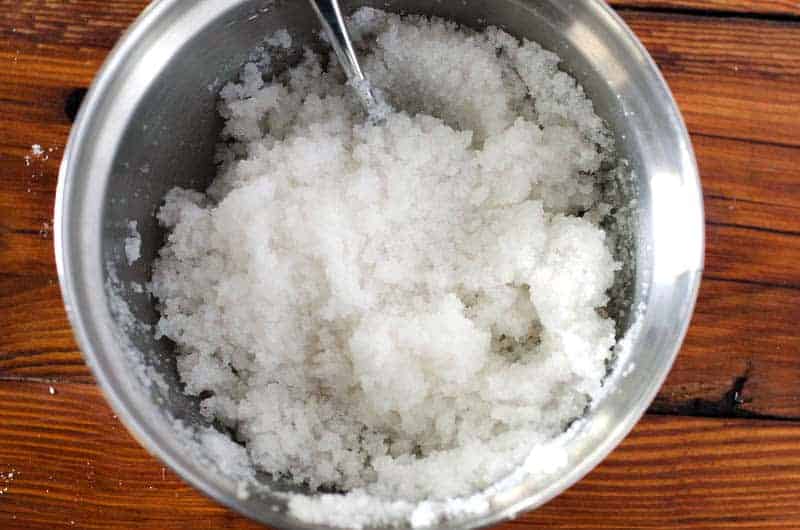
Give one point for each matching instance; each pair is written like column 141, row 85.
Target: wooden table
column 719, row 448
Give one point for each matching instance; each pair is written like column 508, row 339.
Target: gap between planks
column 777, row 11
column 679, row 473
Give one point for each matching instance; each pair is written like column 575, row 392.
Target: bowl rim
column 151, row 440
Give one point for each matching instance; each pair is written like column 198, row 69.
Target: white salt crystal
column 280, row 39
column 133, row 243
column 402, row 310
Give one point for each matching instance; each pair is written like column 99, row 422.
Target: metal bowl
column 149, row 123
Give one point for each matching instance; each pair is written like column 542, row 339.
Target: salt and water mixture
column 401, row 311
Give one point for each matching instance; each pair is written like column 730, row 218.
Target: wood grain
column 741, row 356
column 748, row 254
column 747, row 68
column 750, row 184
column 82, row 24
column 736, row 79
column 75, row 465
column 678, row 473
column 734, row 252
column 777, row 8
column 672, row 472
column 740, row 332
column 36, row 341
column 751, row 190
column 752, row 200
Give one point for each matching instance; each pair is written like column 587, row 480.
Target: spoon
column 330, row 15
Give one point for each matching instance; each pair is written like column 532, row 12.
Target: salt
column 133, row 243
column 402, row 310
column 280, row 39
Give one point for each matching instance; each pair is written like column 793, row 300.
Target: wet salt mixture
column 400, row 311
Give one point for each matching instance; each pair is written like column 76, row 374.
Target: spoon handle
column 331, row 18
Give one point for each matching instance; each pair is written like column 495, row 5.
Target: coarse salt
column 402, row 310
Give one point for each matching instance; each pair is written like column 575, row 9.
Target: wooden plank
column 91, row 23
column 33, row 94
column 742, row 334
column 101, row 478
column 36, row 340
column 26, row 252
column 678, row 473
column 752, row 255
column 749, row 184
column 745, row 184
column 741, row 355
column 76, row 23
column 747, row 67
column 752, row 198
column 784, row 8
column 735, row 253
column 672, row 472
column 735, row 78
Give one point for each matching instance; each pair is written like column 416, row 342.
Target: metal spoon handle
column 331, row 18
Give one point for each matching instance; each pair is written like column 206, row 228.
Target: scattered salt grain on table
column 404, row 310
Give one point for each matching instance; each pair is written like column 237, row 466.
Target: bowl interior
column 150, row 123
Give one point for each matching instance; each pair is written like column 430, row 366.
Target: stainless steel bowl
column 149, row 123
